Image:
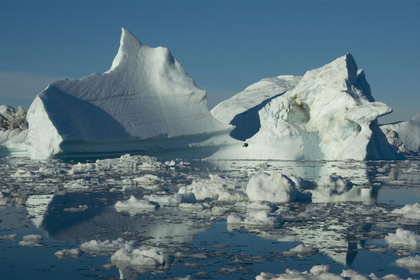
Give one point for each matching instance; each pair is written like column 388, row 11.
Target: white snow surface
column 330, row 114
column 146, row 100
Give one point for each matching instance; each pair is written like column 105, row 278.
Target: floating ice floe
column 134, row 204
column 142, row 256
column 68, row 253
column 412, row 263
column 257, row 205
column 320, row 272
column 9, row 237
column 216, row 188
column 31, row 240
column 81, row 208
column 150, row 182
column 274, row 188
column 301, row 251
column 403, row 238
column 172, row 200
column 255, row 218
column 409, row 211
column 95, row 247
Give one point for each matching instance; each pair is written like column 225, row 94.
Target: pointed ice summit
column 145, row 102
column 329, row 113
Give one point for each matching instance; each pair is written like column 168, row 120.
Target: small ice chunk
column 411, row 263
column 172, row 200
column 409, row 211
column 68, row 253
column 81, row 208
column 95, row 247
column 258, row 205
column 10, row 237
column 403, row 238
column 134, row 203
column 150, row 257
column 301, row 251
column 31, row 240
column 215, row 188
column 255, row 218
column 275, row 188
column 320, row 272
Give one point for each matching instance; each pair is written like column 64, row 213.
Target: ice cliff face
column 145, row 101
column 329, row 114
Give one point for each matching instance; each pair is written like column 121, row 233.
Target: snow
column 330, row 114
column 275, row 188
column 146, row 101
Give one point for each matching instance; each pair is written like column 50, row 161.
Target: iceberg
column 145, row 102
column 329, row 114
column 409, row 133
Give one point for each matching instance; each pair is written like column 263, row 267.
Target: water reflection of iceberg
column 101, row 221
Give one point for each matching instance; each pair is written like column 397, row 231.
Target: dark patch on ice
column 247, row 124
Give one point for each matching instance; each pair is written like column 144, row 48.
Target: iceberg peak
column 129, row 45
column 129, row 42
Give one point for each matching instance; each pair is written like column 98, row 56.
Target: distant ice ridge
column 146, row 101
column 329, row 113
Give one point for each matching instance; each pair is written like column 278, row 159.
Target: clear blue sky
column 224, row 45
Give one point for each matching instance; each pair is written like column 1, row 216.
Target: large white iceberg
column 146, row 101
column 329, row 114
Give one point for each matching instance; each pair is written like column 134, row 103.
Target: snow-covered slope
column 329, row 114
column 146, row 101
